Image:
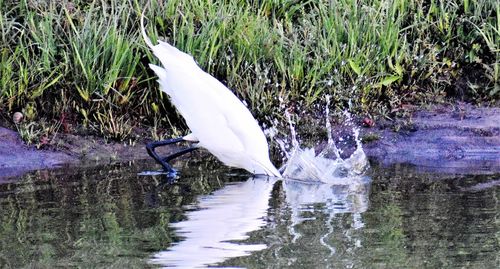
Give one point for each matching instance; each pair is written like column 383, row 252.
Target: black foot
column 171, row 175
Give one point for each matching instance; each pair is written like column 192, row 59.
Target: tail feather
column 143, row 30
column 162, row 47
column 160, row 72
column 169, row 56
column 162, row 79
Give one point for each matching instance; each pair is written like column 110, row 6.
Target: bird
column 217, row 119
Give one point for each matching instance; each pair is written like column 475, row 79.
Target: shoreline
column 440, row 139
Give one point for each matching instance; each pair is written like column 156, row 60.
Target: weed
column 113, row 127
column 370, row 137
column 37, row 134
column 87, row 58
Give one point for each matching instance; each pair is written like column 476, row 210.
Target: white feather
column 216, row 117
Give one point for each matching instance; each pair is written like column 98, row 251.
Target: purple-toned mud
column 441, row 140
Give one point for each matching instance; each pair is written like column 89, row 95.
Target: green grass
column 85, row 61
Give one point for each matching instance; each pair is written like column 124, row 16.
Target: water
column 102, row 217
column 320, row 166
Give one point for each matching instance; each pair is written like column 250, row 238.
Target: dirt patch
column 441, row 139
column 17, row 158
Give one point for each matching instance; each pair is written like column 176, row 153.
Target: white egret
column 218, row 120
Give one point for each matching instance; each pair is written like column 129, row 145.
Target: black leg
column 150, row 147
column 164, row 161
column 179, row 153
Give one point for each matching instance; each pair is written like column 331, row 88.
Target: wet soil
column 67, row 150
column 441, row 139
column 16, row 158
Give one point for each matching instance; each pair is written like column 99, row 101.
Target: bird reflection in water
column 223, row 220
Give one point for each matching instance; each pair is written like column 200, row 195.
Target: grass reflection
column 110, row 217
column 94, row 217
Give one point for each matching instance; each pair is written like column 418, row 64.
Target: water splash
column 241, row 208
column 328, row 177
column 326, row 166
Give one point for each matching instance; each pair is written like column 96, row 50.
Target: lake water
column 109, row 217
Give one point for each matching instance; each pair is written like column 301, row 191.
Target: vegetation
column 81, row 65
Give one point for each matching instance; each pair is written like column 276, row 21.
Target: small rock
column 17, row 117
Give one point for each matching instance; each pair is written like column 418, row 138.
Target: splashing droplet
column 327, row 166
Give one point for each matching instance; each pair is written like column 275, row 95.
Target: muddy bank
column 442, row 139
column 69, row 150
column 16, row 158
